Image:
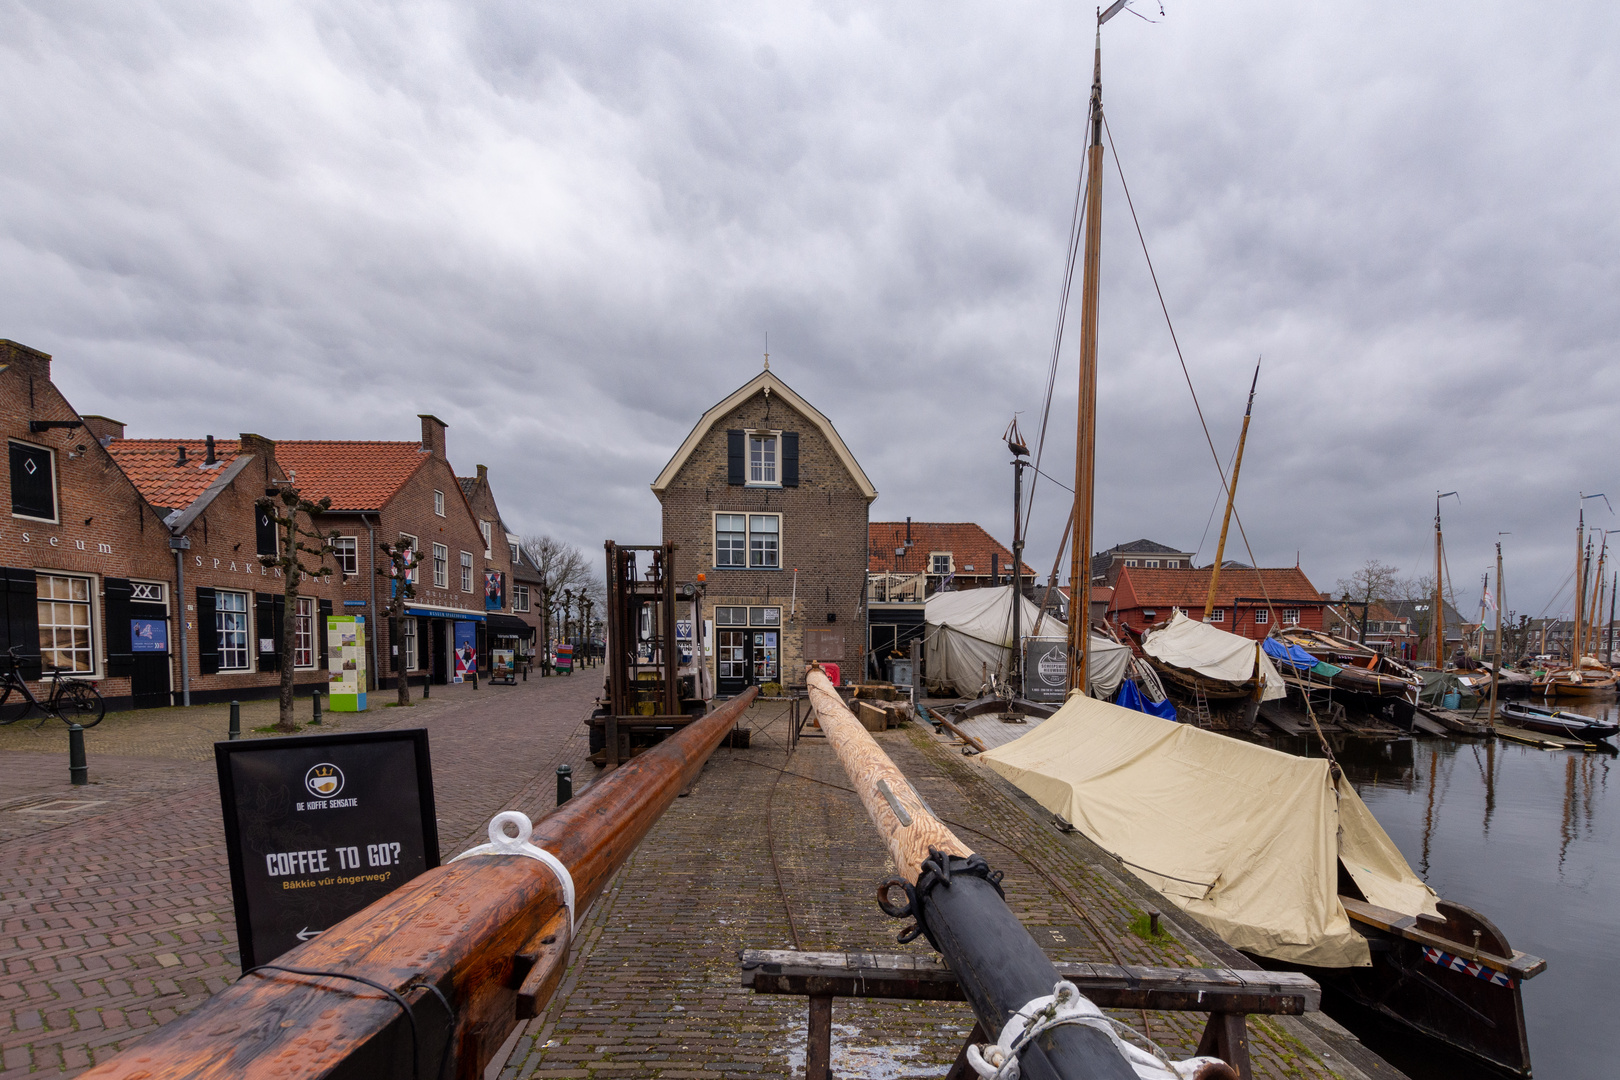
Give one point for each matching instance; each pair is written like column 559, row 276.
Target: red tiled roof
column 969, row 545
column 354, row 475
column 150, row 465
column 1139, row 587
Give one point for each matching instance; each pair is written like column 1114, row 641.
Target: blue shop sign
column 149, row 635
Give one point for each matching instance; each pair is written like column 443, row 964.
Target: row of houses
column 134, row 563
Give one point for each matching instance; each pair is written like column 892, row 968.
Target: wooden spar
column 1439, row 620
column 1231, row 497
column 1051, row 582
column 1580, row 590
column 1496, row 653
column 476, row 929
column 956, row 900
column 1597, row 595
column 1085, row 456
column 1609, row 630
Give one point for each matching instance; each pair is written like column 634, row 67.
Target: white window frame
column 466, row 572
column 933, row 562
column 714, row 532
column 305, row 612
column 765, row 469
column 346, row 553
column 520, row 597
column 1130, row 562
column 1217, row 615
column 438, row 502
column 407, row 641
column 56, row 493
column 748, row 533
column 483, row 527
column 441, row 566
column 776, row 563
column 91, row 614
column 1290, row 616
column 246, row 631
column 1262, row 616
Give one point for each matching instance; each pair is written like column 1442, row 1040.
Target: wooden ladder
column 1200, row 708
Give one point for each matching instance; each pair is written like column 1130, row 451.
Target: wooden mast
column 1231, row 497
column 1085, row 458
column 1580, row 590
column 1438, row 623
column 1596, row 598
column 1496, row 653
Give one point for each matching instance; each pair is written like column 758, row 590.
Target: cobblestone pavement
column 759, row 857
column 115, row 898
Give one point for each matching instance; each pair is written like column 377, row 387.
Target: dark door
column 734, row 656
column 440, row 672
column 149, row 673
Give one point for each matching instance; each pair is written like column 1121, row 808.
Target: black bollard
column 77, row 768
column 427, row 686
column 236, row 720
column 565, row 784
column 475, row 678
column 315, row 717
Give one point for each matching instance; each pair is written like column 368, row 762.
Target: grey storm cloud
column 567, row 229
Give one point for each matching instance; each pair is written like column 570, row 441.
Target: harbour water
column 1528, row 838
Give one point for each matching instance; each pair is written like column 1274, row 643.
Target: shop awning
column 442, row 613
column 509, row 626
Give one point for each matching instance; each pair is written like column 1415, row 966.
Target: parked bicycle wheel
column 14, row 704
column 81, row 704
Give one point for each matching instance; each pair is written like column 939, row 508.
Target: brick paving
column 115, row 898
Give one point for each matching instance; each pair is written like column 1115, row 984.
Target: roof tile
column 968, row 543
column 151, row 465
column 1187, row 589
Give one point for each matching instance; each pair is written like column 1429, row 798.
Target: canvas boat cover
column 969, row 634
column 1198, row 646
column 1245, row 839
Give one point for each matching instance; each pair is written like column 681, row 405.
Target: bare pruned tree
column 1372, row 580
column 563, row 568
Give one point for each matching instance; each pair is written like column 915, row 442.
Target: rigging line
column 1182, row 360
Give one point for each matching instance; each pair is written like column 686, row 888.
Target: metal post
column 181, row 544
column 475, row 676
column 77, row 768
column 236, row 720
column 565, row 783
column 315, row 717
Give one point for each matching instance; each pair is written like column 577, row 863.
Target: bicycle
column 70, row 701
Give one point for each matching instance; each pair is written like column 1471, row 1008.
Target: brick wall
column 824, row 535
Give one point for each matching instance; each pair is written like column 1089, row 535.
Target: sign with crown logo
column 319, row 826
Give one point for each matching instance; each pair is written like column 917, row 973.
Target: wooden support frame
column 1227, row 994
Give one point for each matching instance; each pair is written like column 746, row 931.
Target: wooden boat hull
column 1187, row 681
column 1590, row 686
column 1559, row 722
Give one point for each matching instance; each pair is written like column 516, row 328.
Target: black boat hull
column 1556, row 722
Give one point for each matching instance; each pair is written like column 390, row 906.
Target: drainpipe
column 182, row 544
column 371, row 635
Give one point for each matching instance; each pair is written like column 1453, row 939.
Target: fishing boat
column 1589, row 679
column 1197, row 658
column 1558, row 722
column 1356, row 669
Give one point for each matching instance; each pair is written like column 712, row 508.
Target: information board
column 1046, row 669
column 346, row 656
column 319, row 826
column 149, row 635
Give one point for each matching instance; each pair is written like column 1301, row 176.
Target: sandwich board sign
column 318, row 827
column 1046, row 669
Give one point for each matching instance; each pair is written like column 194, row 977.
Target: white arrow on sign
column 306, row 933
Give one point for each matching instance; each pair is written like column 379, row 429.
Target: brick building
column 768, row 508
column 508, row 600
column 945, row 555
column 1247, row 602
column 1144, row 553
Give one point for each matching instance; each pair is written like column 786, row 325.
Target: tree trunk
column 289, row 631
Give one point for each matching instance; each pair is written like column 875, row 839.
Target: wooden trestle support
column 488, row 936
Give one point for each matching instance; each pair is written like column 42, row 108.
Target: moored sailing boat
column 1586, row 676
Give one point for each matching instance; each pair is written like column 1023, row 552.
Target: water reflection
column 1527, row 837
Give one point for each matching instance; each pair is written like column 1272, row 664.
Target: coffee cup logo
column 324, row 780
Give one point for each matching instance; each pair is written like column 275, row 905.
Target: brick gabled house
column 511, row 622
column 1247, row 602
column 767, row 508
column 951, row 555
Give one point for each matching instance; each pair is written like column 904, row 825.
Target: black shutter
column 326, row 609
column 21, row 622
column 736, row 458
column 264, row 624
column 790, row 459
column 120, row 647
column 207, row 633
column 264, row 530
column 33, row 487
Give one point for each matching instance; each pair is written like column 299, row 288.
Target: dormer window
column 763, row 459
column 939, row 562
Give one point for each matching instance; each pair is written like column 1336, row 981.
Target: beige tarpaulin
column 969, row 636
column 1243, row 838
column 1200, row 647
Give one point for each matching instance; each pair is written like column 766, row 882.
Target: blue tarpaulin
column 1131, row 698
column 1286, row 653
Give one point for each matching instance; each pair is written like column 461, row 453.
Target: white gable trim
column 737, row 397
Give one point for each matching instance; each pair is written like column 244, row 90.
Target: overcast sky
column 567, row 229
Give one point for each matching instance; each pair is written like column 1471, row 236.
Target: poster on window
column 346, row 658
column 466, row 649
column 494, row 590
column 683, row 638
column 149, row 635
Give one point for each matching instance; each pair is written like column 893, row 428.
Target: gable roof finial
column 767, row 350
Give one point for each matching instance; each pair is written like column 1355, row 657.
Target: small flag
column 1490, row 601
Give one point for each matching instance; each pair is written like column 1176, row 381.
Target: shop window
column 438, row 502
column 731, row 616
column 33, row 482
column 730, row 539
column 231, row 624
column 466, row 571
column 64, row 622
column 346, row 551
column 520, row 597
column 762, row 471
column 441, row 566
column 765, row 616
column 304, row 633
column 1262, row 616
column 764, row 541
column 407, row 642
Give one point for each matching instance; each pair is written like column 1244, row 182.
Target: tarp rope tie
column 1066, row 1005
column 502, row 844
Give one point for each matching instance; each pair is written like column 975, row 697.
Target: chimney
column 104, row 428
column 908, row 532
column 209, row 458
column 433, row 435
column 483, row 474
column 32, row 361
column 181, row 458
column 995, row 568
